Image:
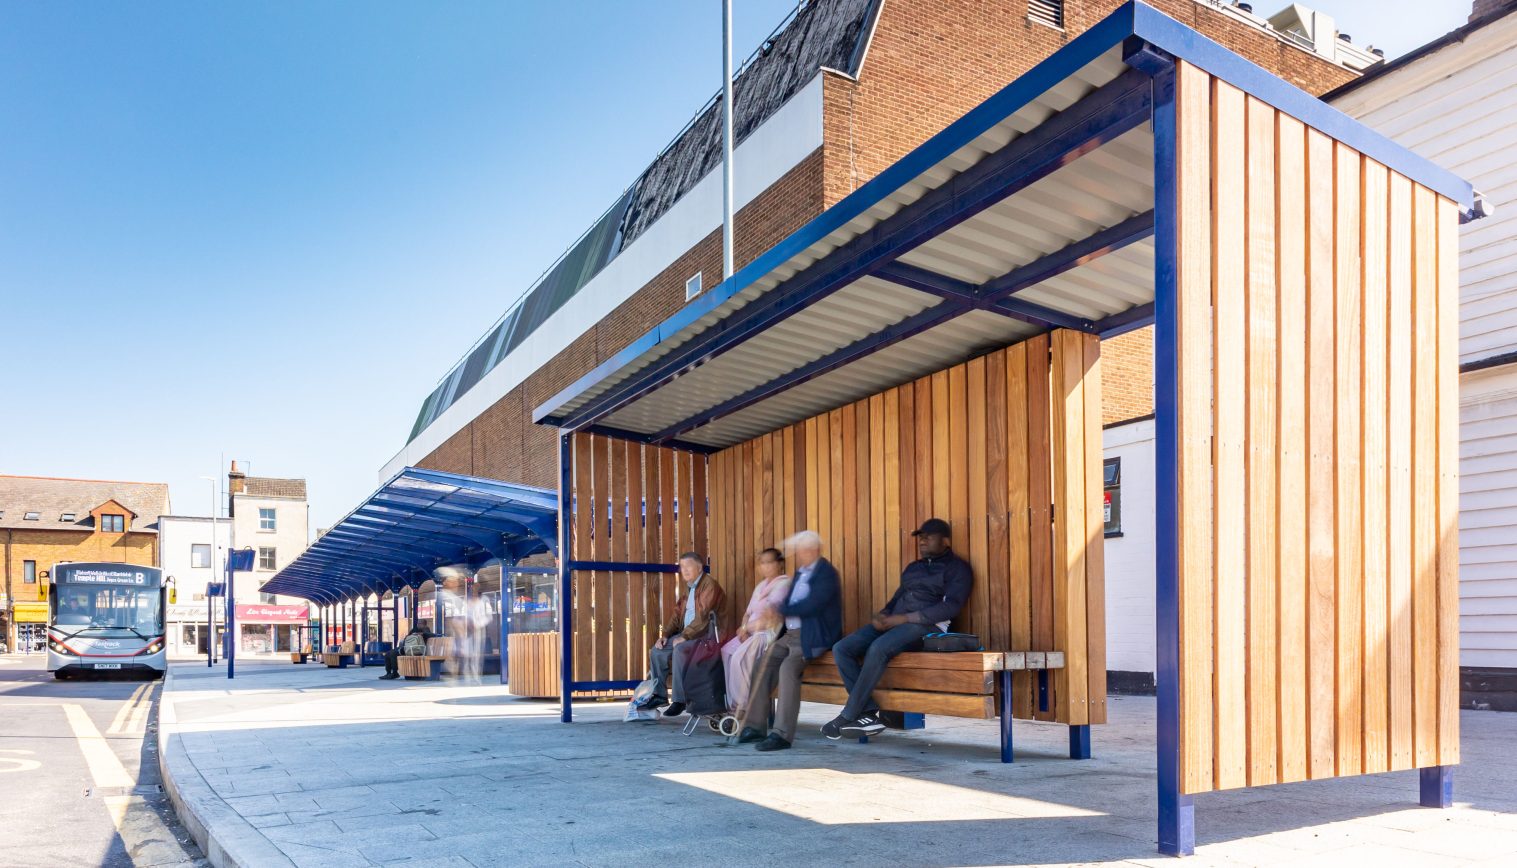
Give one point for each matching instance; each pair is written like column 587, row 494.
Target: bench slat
column 942, row 681
column 974, row 661
column 920, row 702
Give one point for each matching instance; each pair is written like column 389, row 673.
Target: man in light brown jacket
column 698, row 605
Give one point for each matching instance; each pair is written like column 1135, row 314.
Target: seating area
column 340, row 656
column 374, row 653
column 969, row 684
column 428, row 667
column 301, row 656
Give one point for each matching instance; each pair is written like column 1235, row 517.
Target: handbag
column 951, row 642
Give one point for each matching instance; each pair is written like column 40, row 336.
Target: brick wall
column 929, row 62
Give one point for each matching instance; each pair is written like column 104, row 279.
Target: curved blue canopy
column 416, row 522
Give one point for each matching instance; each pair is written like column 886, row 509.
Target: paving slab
column 307, row 766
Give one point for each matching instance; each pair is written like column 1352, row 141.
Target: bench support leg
column 1042, row 689
column 1006, row 750
column 1079, row 741
column 1437, row 786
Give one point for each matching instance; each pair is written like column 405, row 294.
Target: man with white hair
column 813, row 614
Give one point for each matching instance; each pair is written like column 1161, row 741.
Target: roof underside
column 418, row 521
column 1034, row 211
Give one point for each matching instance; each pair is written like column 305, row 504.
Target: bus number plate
column 107, row 665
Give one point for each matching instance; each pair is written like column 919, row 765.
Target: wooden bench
column 339, row 656
column 429, row 666
column 972, row 684
column 300, row 656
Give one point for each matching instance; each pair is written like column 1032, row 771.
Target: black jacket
column 932, row 589
column 821, row 612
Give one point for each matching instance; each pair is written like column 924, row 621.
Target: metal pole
column 565, row 591
column 231, row 621
column 210, row 631
column 210, row 625
column 727, row 268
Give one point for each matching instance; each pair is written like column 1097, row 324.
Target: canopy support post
column 565, row 589
column 1177, row 810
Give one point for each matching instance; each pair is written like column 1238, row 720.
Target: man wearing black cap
column 933, row 590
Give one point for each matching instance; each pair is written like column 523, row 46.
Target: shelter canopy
column 416, row 522
column 1034, row 211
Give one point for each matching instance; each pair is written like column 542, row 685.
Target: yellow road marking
column 138, row 723
column 105, row 768
column 126, row 708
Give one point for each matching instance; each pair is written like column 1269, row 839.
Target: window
column 200, row 555
column 693, row 286
column 1113, row 484
column 68, row 516
column 112, row 523
column 266, row 559
column 1049, row 12
column 32, row 516
column 266, row 518
column 29, row 572
column 265, row 598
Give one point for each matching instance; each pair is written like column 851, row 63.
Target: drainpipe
column 726, row 139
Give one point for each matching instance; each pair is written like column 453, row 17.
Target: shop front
column 31, row 626
column 266, row 628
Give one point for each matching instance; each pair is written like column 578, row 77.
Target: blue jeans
column 863, row 655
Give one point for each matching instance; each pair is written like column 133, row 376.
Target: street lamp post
column 210, row 616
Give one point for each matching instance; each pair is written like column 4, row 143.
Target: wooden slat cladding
column 632, row 504
column 1318, row 551
column 1006, row 447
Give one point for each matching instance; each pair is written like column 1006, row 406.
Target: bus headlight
column 152, row 647
column 58, row 647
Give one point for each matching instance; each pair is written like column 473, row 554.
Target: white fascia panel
column 777, row 146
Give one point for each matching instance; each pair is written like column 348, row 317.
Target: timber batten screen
column 1316, row 345
column 1006, row 447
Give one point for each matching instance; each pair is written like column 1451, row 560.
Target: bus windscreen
column 83, row 608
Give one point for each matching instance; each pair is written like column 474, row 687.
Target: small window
column 1112, row 471
column 29, row 572
column 68, row 516
column 33, row 516
column 111, row 523
column 266, row 559
column 200, row 555
column 265, row 598
column 1049, row 12
column 266, row 520
column 693, row 286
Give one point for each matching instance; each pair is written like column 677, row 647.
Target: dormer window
column 32, row 516
column 68, row 516
column 112, row 523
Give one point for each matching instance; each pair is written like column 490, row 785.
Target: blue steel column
column 565, row 592
column 394, row 618
column 1177, row 811
column 1005, row 682
column 1437, row 786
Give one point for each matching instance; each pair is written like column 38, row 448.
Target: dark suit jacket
column 821, row 612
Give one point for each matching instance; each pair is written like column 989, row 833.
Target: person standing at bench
column 761, row 623
column 933, row 589
column 813, row 612
column 697, row 605
column 392, row 656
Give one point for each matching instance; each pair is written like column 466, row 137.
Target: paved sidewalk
column 325, row 767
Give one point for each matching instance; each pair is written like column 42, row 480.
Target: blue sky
column 266, row 229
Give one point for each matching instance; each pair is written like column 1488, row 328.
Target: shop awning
column 418, row 521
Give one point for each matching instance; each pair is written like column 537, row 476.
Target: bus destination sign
column 65, row 573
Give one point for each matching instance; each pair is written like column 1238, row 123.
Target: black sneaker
column 749, row 735
column 772, row 742
column 654, row 702
column 675, row 710
column 833, row 728
column 867, row 724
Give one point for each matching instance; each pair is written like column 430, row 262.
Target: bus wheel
column 61, row 675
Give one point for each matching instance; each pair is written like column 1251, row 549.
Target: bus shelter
column 396, row 541
column 930, row 345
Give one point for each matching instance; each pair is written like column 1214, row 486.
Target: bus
column 106, row 618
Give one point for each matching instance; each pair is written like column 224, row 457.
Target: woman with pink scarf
column 761, row 623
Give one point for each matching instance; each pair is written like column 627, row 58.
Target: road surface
column 79, row 781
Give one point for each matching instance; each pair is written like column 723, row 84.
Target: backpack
column 414, row 645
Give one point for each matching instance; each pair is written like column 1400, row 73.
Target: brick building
column 45, row 521
column 833, row 97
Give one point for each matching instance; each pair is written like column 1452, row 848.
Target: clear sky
column 266, row 229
